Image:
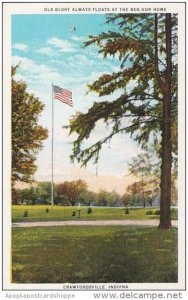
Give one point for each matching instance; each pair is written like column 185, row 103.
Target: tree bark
column 166, row 155
column 14, row 197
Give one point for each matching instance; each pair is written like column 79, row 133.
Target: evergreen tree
column 146, row 45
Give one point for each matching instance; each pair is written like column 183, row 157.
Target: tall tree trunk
column 143, row 195
column 14, row 197
column 166, row 155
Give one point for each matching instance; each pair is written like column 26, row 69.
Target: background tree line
column 71, row 193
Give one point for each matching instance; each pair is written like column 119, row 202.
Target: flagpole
column 52, row 182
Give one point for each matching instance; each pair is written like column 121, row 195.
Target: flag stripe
column 70, row 104
column 63, row 98
column 58, row 95
column 63, row 95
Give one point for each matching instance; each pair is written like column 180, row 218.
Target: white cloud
column 78, row 38
column 29, row 65
column 21, row 47
column 81, row 62
column 57, row 61
column 62, row 45
column 39, row 74
column 46, row 51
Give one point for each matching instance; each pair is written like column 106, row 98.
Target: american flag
column 63, row 95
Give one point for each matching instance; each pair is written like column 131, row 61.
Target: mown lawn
column 57, row 213
column 91, row 254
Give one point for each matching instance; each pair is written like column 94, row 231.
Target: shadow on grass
column 94, row 255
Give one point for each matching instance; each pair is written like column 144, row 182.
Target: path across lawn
column 92, row 223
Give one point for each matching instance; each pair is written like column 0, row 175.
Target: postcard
column 94, row 147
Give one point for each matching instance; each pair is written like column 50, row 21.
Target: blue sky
column 50, row 52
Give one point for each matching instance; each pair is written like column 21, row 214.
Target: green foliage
column 147, row 163
column 88, row 198
column 43, row 192
column 133, row 41
column 125, row 199
column 72, row 190
column 28, row 196
column 127, row 211
column 73, row 213
column 157, row 212
column 149, row 212
column 27, row 135
column 146, row 167
column 25, row 215
column 89, row 211
column 47, row 210
column 102, row 198
column 137, row 190
column 107, row 198
column 132, row 199
column 38, row 194
column 174, row 213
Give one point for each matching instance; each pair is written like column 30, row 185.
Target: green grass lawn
column 91, row 254
column 57, row 213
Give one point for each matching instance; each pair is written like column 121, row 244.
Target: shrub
column 89, row 211
column 47, row 210
column 73, row 214
column 25, row 214
column 126, row 211
column 149, row 212
column 157, row 212
column 174, row 213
